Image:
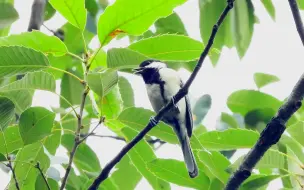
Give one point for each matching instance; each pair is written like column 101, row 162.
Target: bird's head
column 148, row 66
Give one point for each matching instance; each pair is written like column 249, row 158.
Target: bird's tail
column 187, row 152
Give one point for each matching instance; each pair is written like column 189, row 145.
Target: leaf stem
column 75, row 56
column 153, row 121
column 67, row 72
column 41, row 173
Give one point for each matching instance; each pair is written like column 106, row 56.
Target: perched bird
column 162, row 83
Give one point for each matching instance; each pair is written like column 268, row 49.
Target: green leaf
column 49, row 11
column 108, row 184
column 18, row 60
column 7, row 112
column 126, row 175
column 111, row 105
column 169, row 47
column 216, row 164
column 137, row 119
column 171, row 24
column 26, row 158
column 294, row 146
column 73, row 11
column 126, row 92
column 41, row 185
column 140, row 155
column 135, row 17
column 75, row 182
column 92, row 7
column 8, row 14
column 257, row 119
column 296, row 132
column 300, row 4
column 12, row 140
column 122, row 58
column 102, row 82
column 209, row 13
column 35, row 124
column 229, row 119
column 52, row 142
column 37, row 41
column 201, row 108
column 21, row 98
column 243, row 101
column 175, row 172
column 262, row 79
column 257, row 181
column 242, row 16
column 73, row 34
column 2, row 158
column 228, row 139
column 269, row 7
column 32, row 81
column 85, row 158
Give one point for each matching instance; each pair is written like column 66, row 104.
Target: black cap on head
column 147, row 62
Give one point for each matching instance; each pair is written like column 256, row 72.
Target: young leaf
column 18, row 60
column 35, row 124
column 126, row 92
column 262, row 79
column 52, row 142
column 135, row 17
column 171, row 24
column 257, row 181
column 85, row 158
column 73, row 11
column 7, row 112
column 8, row 14
column 175, row 172
column 269, row 7
column 136, row 118
column 140, row 155
column 12, row 138
column 102, row 82
column 228, row 139
column 243, row 101
column 26, row 158
column 169, row 47
column 37, row 41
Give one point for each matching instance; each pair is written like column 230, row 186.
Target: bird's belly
column 155, row 97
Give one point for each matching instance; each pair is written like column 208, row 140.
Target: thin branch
column 275, row 128
column 41, row 173
column 153, row 121
column 9, row 165
column 67, row 72
column 297, row 18
column 92, row 132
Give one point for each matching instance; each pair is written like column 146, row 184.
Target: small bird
column 162, row 83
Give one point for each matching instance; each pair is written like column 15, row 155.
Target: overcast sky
column 275, row 49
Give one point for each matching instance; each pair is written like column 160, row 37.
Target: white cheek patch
column 157, row 65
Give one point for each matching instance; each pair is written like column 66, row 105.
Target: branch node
column 272, row 132
column 230, row 4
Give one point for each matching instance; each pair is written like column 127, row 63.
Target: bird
column 162, row 83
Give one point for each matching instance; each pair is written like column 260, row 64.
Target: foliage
column 34, row 134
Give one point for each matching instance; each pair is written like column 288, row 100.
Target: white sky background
column 275, row 49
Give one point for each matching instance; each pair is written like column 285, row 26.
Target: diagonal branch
column 42, row 175
column 9, row 165
column 153, row 121
column 275, row 128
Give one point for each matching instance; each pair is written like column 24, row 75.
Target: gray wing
column 188, row 119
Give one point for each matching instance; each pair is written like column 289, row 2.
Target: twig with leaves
column 275, row 128
column 154, row 120
column 41, row 173
column 9, row 165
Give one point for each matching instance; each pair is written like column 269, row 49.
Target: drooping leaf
column 243, row 19
column 175, row 172
column 35, row 124
column 92, row 7
column 126, row 177
column 18, row 60
column 140, row 155
column 169, row 47
column 137, row 119
column 102, row 82
column 49, row 11
column 286, row 180
column 229, row 120
column 201, row 108
column 126, row 92
column 26, row 173
column 171, row 24
column 85, row 158
column 7, row 112
column 228, row 139
column 37, row 41
column 12, row 140
column 52, row 142
column 73, row 11
column 257, row 181
column 216, row 164
column 269, row 7
column 135, row 17
column 243, row 101
column 262, row 79
column 8, row 14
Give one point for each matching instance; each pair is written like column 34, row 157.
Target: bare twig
column 275, row 128
column 37, row 15
column 9, row 165
column 153, row 121
column 92, row 132
column 41, row 173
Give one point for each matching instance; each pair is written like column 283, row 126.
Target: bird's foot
column 153, row 121
column 173, row 101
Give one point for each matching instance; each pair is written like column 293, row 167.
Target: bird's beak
column 138, row 70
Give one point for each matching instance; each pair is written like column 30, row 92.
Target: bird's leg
column 175, row 105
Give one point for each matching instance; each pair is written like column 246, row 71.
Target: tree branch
column 275, row 128
column 9, row 165
column 154, row 120
column 41, row 173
